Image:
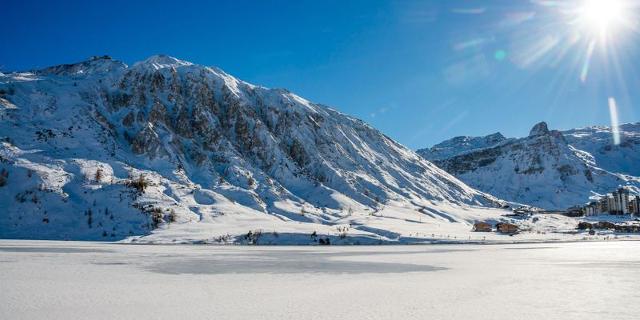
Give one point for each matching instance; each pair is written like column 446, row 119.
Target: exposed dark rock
column 539, row 129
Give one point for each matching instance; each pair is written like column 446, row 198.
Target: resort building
column 592, row 208
column 619, row 202
column 634, row 205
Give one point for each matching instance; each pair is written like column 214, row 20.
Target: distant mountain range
column 548, row 169
column 182, row 152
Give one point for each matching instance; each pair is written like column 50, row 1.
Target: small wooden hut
column 504, row 227
column 482, row 227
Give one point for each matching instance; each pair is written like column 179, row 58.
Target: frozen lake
column 76, row 280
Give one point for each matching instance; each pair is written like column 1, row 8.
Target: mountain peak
column 496, row 137
column 161, row 61
column 93, row 65
column 539, row 129
column 461, row 144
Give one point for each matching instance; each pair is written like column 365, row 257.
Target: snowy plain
column 88, row 280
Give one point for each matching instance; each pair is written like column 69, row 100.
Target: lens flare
column 613, row 113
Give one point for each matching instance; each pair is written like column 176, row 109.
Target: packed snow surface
column 70, row 280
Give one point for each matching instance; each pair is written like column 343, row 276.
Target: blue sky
column 420, row 71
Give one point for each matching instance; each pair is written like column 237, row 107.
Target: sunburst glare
column 583, row 42
column 600, row 23
column 601, row 16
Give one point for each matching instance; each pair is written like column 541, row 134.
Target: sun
column 602, row 16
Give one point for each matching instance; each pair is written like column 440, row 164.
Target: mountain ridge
column 564, row 168
column 166, row 141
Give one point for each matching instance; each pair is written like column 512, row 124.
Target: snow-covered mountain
column 597, row 141
column 102, row 150
column 459, row 145
column 548, row 169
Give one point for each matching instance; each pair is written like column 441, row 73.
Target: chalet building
column 507, row 228
column 482, row 227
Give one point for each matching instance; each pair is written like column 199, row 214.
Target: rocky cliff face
column 99, row 149
column 548, row 169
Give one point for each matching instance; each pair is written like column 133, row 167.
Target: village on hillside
column 620, row 202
